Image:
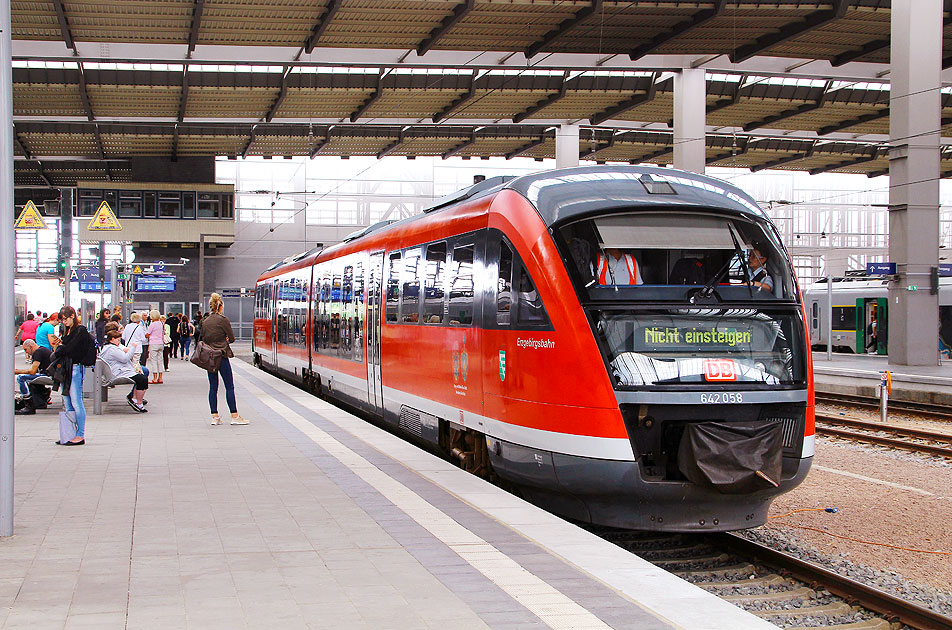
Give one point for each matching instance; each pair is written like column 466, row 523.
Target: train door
column 871, row 325
column 374, row 293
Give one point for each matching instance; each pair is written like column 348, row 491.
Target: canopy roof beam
column 325, row 20
column 699, row 19
column 629, row 104
column 197, row 11
column 787, row 160
column 563, row 28
column 542, row 104
column 459, row 147
column 790, row 113
column 811, row 22
column 64, row 25
column 526, row 147
column 852, row 122
column 387, row 150
column 446, row 111
column 251, row 141
column 323, row 142
column 370, row 101
column 740, row 149
column 832, row 167
column 459, row 12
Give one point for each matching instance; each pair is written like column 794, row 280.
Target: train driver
column 618, row 268
column 759, row 277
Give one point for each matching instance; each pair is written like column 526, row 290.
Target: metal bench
column 102, row 374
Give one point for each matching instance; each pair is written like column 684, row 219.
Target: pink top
column 156, row 333
column 28, row 329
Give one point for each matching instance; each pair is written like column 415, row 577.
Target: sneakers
column 27, row 410
column 238, row 420
column 216, row 420
column 139, row 408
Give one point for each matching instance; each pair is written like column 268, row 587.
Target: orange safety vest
column 602, row 269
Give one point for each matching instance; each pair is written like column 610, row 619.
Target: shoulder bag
column 206, row 357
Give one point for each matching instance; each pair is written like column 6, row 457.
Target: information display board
column 155, row 284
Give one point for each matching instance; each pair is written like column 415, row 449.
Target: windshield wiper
column 743, row 263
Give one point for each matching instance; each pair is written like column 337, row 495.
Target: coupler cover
column 733, row 457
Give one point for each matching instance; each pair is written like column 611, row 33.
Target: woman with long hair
column 217, row 333
column 80, row 347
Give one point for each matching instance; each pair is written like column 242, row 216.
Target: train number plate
column 717, row 398
column 720, row 370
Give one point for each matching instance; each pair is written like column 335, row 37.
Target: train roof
column 574, row 192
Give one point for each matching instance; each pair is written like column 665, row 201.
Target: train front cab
column 711, row 376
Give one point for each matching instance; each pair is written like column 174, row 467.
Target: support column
column 7, row 265
column 566, row 146
column 690, row 117
column 914, row 106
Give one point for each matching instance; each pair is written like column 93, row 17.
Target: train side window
column 358, row 321
column 461, row 287
column 530, row 308
column 433, row 292
column 410, row 287
column 504, row 285
column 844, row 318
column 393, row 287
column 816, row 315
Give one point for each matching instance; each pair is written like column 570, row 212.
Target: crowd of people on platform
column 60, row 346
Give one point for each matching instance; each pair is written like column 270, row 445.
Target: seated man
column 39, row 360
column 759, row 277
column 618, row 268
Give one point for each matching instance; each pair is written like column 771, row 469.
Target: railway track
column 917, row 440
column 938, row 412
column 775, row 586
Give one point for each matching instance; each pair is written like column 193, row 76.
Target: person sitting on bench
column 39, row 360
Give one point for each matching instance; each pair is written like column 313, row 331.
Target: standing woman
column 80, row 347
column 185, row 336
column 217, row 333
column 156, row 337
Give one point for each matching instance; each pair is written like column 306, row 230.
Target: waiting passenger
column 759, row 277
column 618, row 268
column 123, row 363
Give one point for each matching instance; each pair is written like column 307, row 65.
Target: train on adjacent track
column 591, row 336
column 858, row 300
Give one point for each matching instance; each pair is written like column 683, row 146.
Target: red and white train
column 677, row 398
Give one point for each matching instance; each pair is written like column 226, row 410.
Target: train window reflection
column 410, row 287
column 393, row 287
column 433, row 283
column 461, row 288
column 504, row 285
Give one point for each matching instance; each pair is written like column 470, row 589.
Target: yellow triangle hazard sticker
column 104, row 219
column 137, row 269
column 30, row 218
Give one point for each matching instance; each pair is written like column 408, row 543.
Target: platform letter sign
column 30, row 218
column 881, row 269
column 104, row 220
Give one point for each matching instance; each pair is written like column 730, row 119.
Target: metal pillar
column 7, row 266
column 566, row 146
column 690, row 112
column 914, row 106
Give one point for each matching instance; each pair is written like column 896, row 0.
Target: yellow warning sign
column 104, row 220
column 29, row 218
column 137, row 269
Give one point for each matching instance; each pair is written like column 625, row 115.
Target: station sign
column 881, row 269
column 155, row 284
column 93, row 287
column 88, row 274
column 945, row 270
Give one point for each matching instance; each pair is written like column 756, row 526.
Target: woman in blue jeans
column 80, row 347
column 217, row 333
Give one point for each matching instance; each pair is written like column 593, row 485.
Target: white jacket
column 133, row 336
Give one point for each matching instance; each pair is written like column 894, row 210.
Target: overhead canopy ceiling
column 791, row 84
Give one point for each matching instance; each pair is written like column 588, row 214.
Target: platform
column 858, row 375
column 306, row 518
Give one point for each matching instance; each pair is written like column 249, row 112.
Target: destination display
column 155, row 284
column 667, row 338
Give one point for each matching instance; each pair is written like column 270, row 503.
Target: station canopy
column 791, row 84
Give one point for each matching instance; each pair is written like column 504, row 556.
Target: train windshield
column 676, row 255
column 703, row 346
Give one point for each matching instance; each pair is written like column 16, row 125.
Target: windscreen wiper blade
column 743, row 263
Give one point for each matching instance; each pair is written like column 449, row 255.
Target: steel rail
column 939, row 411
column 889, row 606
column 877, row 426
column 885, row 441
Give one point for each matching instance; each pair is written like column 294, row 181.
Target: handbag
column 206, row 357
column 68, row 426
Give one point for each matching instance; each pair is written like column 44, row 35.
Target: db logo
column 719, row 370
